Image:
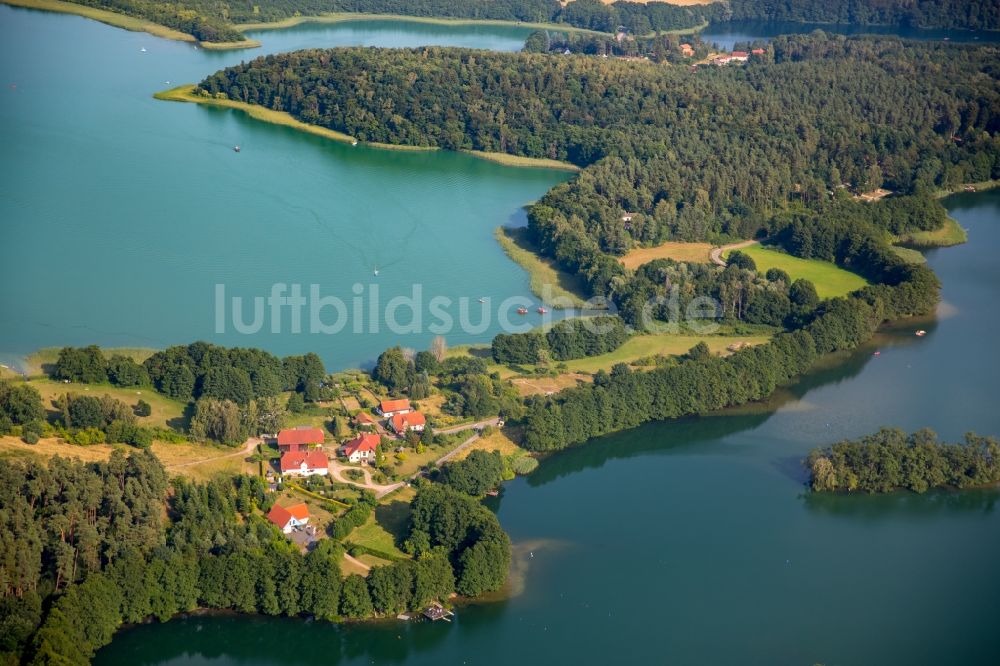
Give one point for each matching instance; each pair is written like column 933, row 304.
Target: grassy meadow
column 686, row 252
column 830, row 280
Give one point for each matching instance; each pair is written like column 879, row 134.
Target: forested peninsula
column 221, row 23
column 772, row 149
column 892, row 460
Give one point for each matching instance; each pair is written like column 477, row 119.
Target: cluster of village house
column 735, row 56
column 302, row 451
column 688, row 52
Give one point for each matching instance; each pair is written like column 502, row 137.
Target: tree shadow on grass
column 182, row 422
column 394, row 518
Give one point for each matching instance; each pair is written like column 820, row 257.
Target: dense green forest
column 87, row 547
column 714, row 153
column 963, row 14
column 197, row 18
column 565, row 340
column 890, row 460
column 216, row 20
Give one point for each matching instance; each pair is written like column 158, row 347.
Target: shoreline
column 541, row 271
column 185, row 93
column 125, row 22
column 344, row 17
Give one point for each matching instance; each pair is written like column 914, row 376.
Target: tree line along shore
column 221, row 25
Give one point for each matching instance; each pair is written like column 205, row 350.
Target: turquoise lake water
column 122, row 213
column 689, row 542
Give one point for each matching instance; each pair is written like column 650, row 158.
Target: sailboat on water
column 376, row 271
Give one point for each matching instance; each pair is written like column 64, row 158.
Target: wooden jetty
column 437, row 612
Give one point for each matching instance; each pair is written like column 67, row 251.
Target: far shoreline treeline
column 222, row 25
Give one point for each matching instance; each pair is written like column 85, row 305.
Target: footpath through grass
column 830, row 280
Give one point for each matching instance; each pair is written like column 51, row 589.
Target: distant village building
column 736, row 56
column 362, row 448
column 401, row 423
column 287, row 518
column 299, row 439
column 687, row 51
column 757, row 52
column 390, row 408
column 304, row 463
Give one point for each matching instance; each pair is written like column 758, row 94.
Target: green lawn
column 663, row 344
column 383, row 528
column 635, row 348
column 830, row 279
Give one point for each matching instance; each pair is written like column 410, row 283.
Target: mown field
column 686, row 252
column 830, row 280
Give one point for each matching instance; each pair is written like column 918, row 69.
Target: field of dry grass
column 687, row 252
column 201, row 461
column 543, row 385
column 166, row 412
column 498, row 440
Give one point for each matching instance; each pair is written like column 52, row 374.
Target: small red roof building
column 740, row 54
column 304, row 463
column 365, row 420
column 757, row 51
column 400, row 423
column 392, row 407
column 296, row 439
column 361, row 447
column 288, row 517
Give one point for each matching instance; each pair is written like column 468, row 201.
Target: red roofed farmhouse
column 400, row 423
column 289, row 517
column 299, row 439
column 392, row 407
column 304, row 463
column 361, row 448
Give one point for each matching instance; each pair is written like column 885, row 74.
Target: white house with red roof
column 390, row 408
column 304, row 463
column 414, row 421
column 299, row 439
column 287, row 518
column 740, row 56
column 361, row 448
